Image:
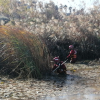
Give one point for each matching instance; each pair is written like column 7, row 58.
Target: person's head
column 56, row 59
column 71, row 47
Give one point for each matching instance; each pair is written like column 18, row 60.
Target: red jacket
column 61, row 66
column 72, row 54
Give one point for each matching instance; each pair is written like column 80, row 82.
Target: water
column 80, row 85
column 74, row 97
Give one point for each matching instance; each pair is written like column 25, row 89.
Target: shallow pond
column 80, row 83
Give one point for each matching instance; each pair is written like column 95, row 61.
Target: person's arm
column 68, row 55
column 71, row 53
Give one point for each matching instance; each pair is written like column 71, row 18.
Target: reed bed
column 57, row 27
column 22, row 54
column 81, row 30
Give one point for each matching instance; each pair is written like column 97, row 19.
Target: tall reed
column 22, row 53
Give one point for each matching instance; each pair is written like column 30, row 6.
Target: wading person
column 61, row 68
column 72, row 54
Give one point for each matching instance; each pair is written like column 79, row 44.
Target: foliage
column 22, row 53
column 58, row 30
column 4, row 6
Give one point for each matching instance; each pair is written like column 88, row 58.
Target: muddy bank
column 82, row 82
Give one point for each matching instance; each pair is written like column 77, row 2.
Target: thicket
column 83, row 31
column 22, row 54
column 58, row 30
column 49, row 31
column 80, row 29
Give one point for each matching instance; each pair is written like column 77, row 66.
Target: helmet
column 71, row 47
column 56, row 59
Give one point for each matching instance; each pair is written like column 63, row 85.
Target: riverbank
column 82, row 82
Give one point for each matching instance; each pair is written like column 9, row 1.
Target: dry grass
column 80, row 30
column 22, row 53
column 54, row 32
column 83, row 31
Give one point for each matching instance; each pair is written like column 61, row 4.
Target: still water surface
column 82, row 84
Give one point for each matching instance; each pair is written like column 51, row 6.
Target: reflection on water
column 74, row 97
column 82, row 86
